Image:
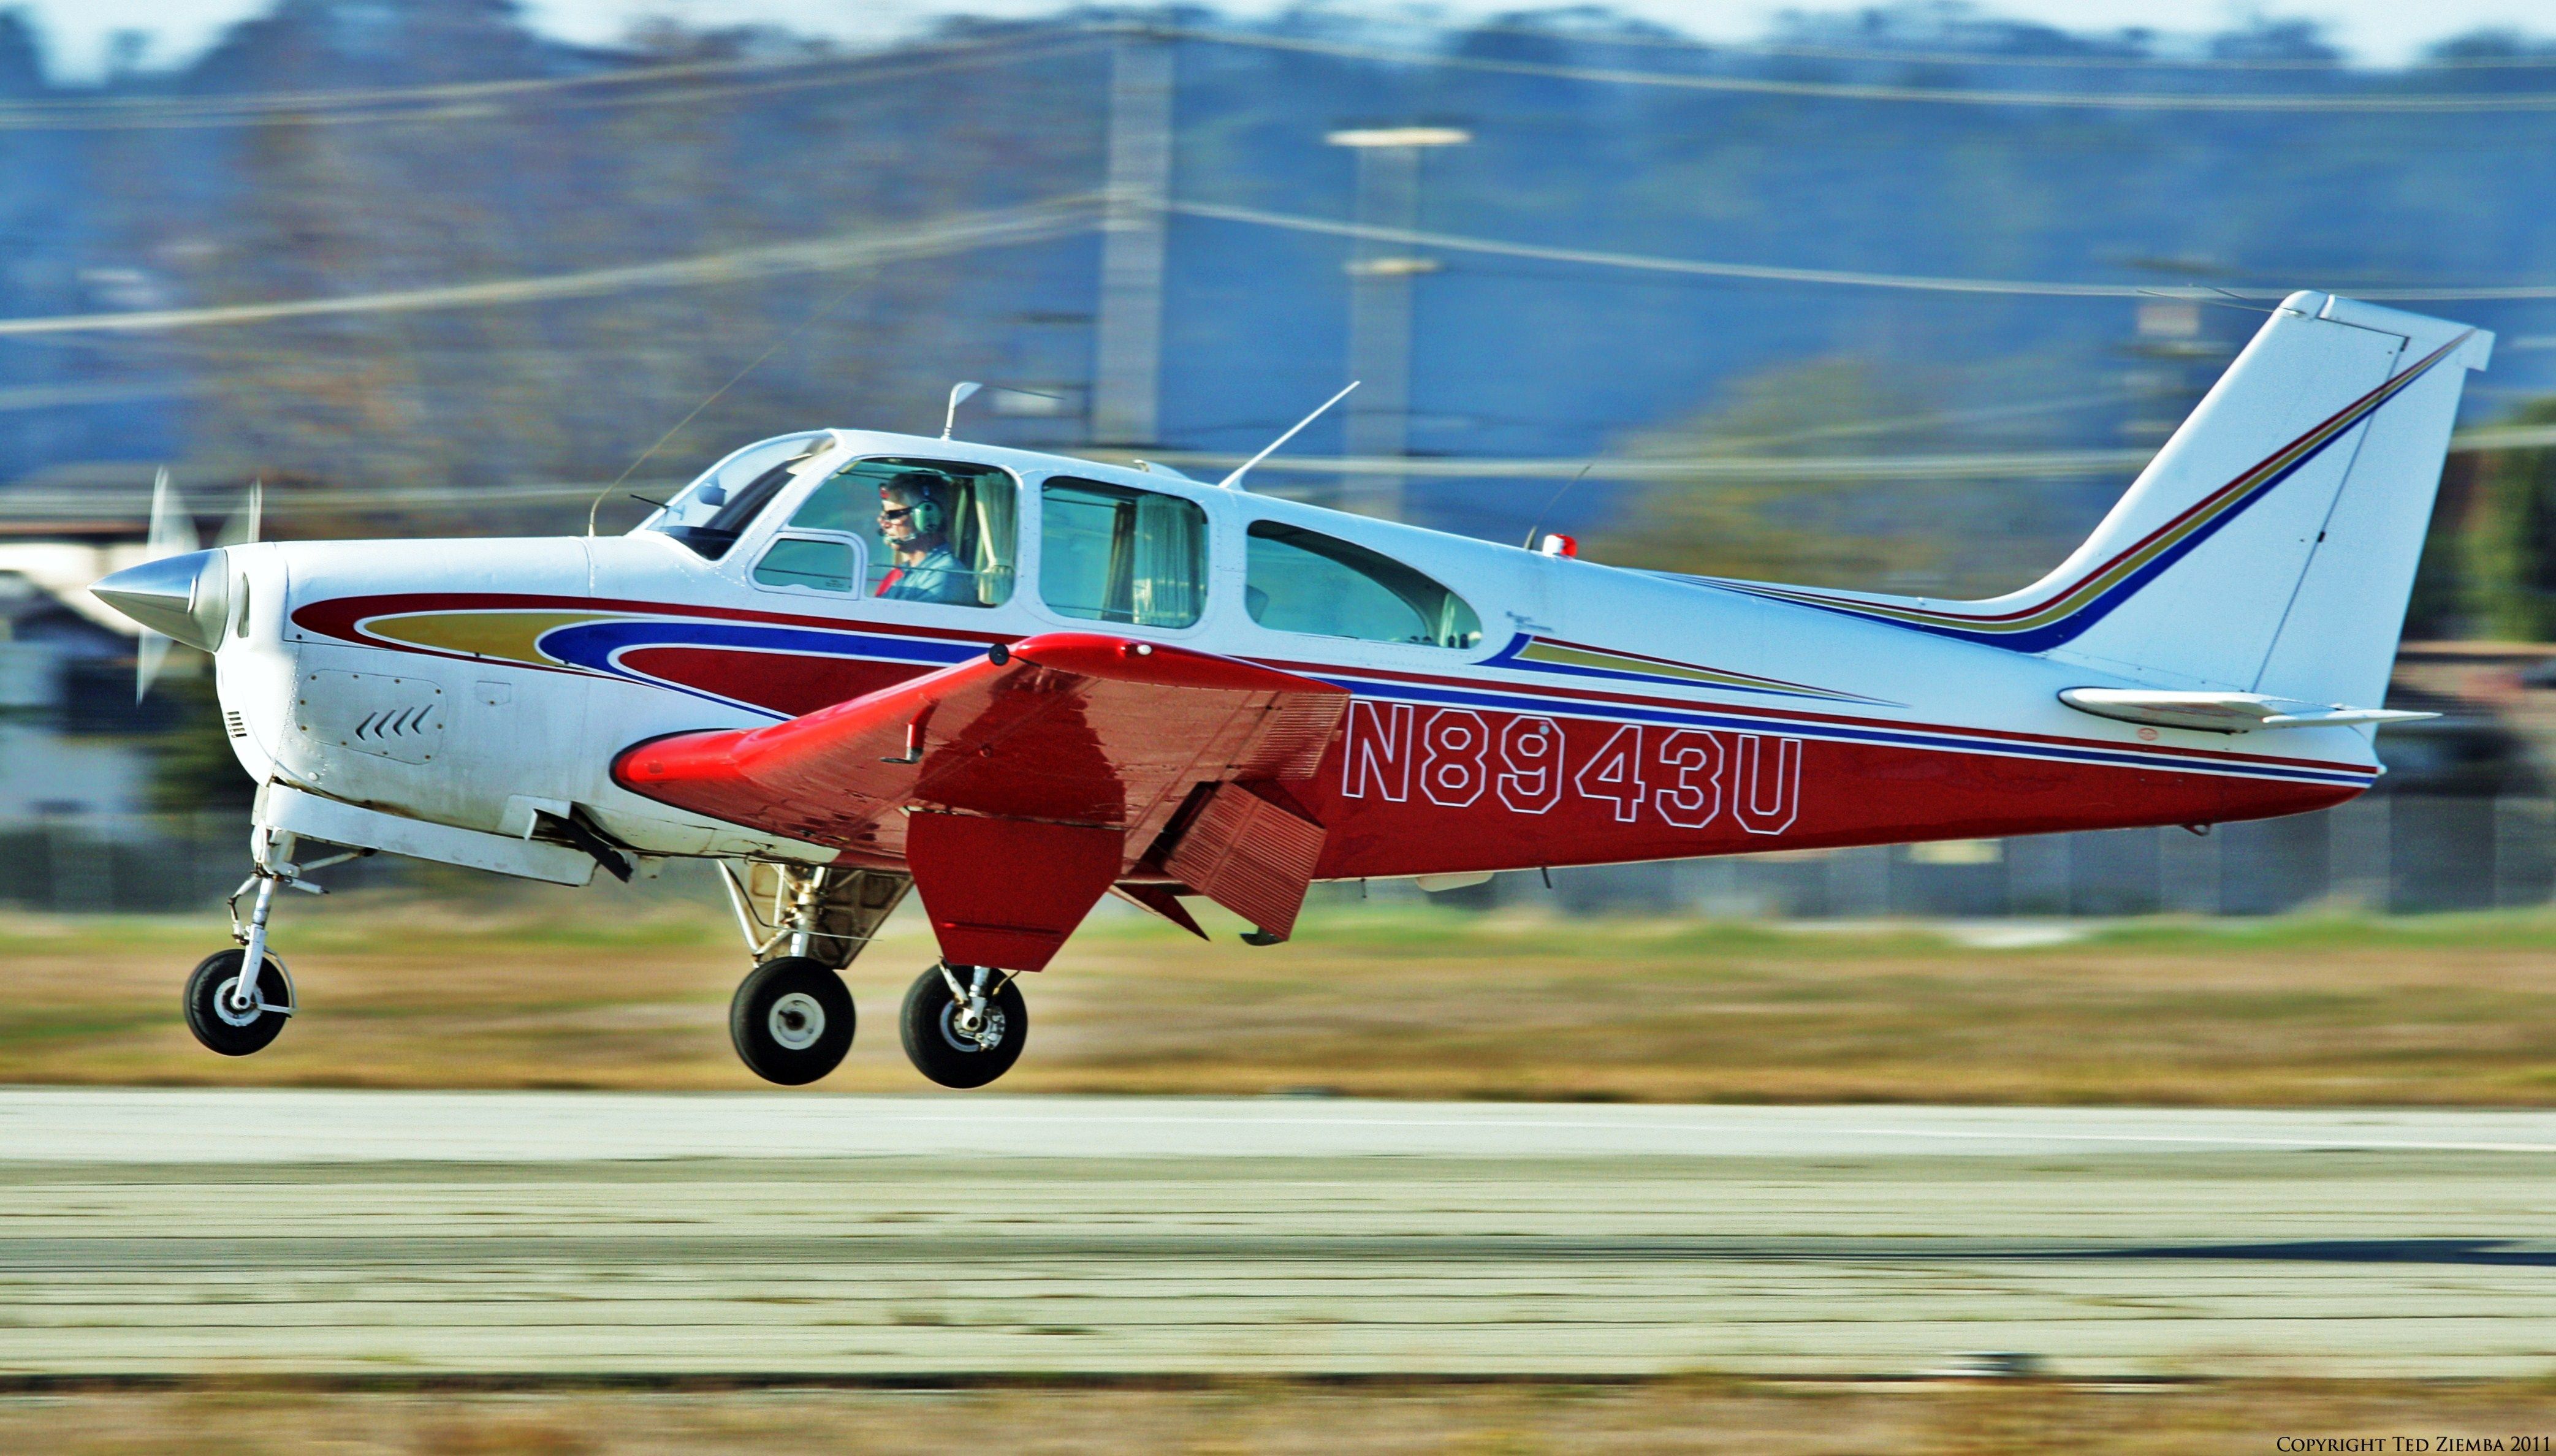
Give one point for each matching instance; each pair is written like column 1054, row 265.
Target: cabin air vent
column 235, row 722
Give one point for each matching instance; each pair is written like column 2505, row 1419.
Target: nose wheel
column 791, row 1019
column 221, row 1019
column 963, row 1027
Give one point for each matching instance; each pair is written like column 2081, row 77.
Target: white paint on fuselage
column 517, row 731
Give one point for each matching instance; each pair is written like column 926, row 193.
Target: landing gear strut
column 792, row 1018
column 963, row 1027
column 238, row 1000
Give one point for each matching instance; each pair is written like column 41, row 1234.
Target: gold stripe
column 506, row 636
column 1541, row 651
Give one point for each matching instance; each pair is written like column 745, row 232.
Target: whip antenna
column 1556, row 500
column 1234, row 481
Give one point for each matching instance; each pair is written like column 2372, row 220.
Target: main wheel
column 790, row 1021
column 221, row 1027
column 951, row 1055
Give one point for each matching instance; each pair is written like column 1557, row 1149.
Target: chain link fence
column 2392, row 853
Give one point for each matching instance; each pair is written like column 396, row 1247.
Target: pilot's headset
column 930, row 517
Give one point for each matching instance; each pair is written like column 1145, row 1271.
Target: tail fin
column 2270, row 546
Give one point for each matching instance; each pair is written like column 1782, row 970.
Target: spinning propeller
column 173, row 535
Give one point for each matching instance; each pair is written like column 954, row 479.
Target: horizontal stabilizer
column 2223, row 712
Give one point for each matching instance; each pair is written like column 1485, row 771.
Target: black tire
column 209, row 1016
column 791, row 1019
column 947, row 1055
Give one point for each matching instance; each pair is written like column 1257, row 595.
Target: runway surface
column 574, row 1234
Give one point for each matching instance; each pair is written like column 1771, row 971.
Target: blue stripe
column 596, row 646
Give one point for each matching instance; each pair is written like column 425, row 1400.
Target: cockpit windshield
column 713, row 510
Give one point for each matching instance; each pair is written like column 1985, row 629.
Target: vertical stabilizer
column 2270, row 546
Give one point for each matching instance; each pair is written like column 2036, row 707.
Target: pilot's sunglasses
column 896, row 514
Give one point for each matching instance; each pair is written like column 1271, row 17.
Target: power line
column 481, row 101
column 2003, row 465
column 219, row 103
column 1064, row 216
column 77, row 396
column 2080, row 61
column 42, row 503
column 1035, row 222
column 484, row 100
column 1708, row 469
column 1848, row 278
column 2450, row 103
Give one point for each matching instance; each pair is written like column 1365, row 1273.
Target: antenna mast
column 1234, row 481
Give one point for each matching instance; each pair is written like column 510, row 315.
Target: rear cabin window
column 938, row 531
column 1299, row 580
column 1108, row 553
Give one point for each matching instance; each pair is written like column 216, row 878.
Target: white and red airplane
column 842, row 663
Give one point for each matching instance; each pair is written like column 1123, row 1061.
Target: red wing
column 1073, row 728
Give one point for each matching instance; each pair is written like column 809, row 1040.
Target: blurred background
column 1897, row 297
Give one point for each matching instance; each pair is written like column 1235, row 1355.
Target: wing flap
column 1007, row 892
column 1250, row 856
column 1074, row 728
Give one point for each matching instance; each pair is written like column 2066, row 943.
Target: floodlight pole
column 1381, row 272
column 1127, row 354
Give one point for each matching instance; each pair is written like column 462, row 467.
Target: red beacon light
column 1558, row 545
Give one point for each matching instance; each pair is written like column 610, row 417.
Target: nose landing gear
column 238, row 1000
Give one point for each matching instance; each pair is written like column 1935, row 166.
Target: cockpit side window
column 1299, row 580
column 715, row 510
column 939, row 531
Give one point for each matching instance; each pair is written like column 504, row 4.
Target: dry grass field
column 599, row 991
column 1702, row 1416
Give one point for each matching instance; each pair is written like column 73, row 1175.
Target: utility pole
column 1127, row 354
column 1380, row 275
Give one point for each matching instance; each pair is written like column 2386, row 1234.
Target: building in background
column 73, row 743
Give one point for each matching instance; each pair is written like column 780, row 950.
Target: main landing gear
column 238, row 1000
column 963, row 1026
column 792, row 1018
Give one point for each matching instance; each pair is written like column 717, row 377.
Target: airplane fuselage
column 1601, row 715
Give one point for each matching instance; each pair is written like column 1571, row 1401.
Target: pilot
column 914, row 521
